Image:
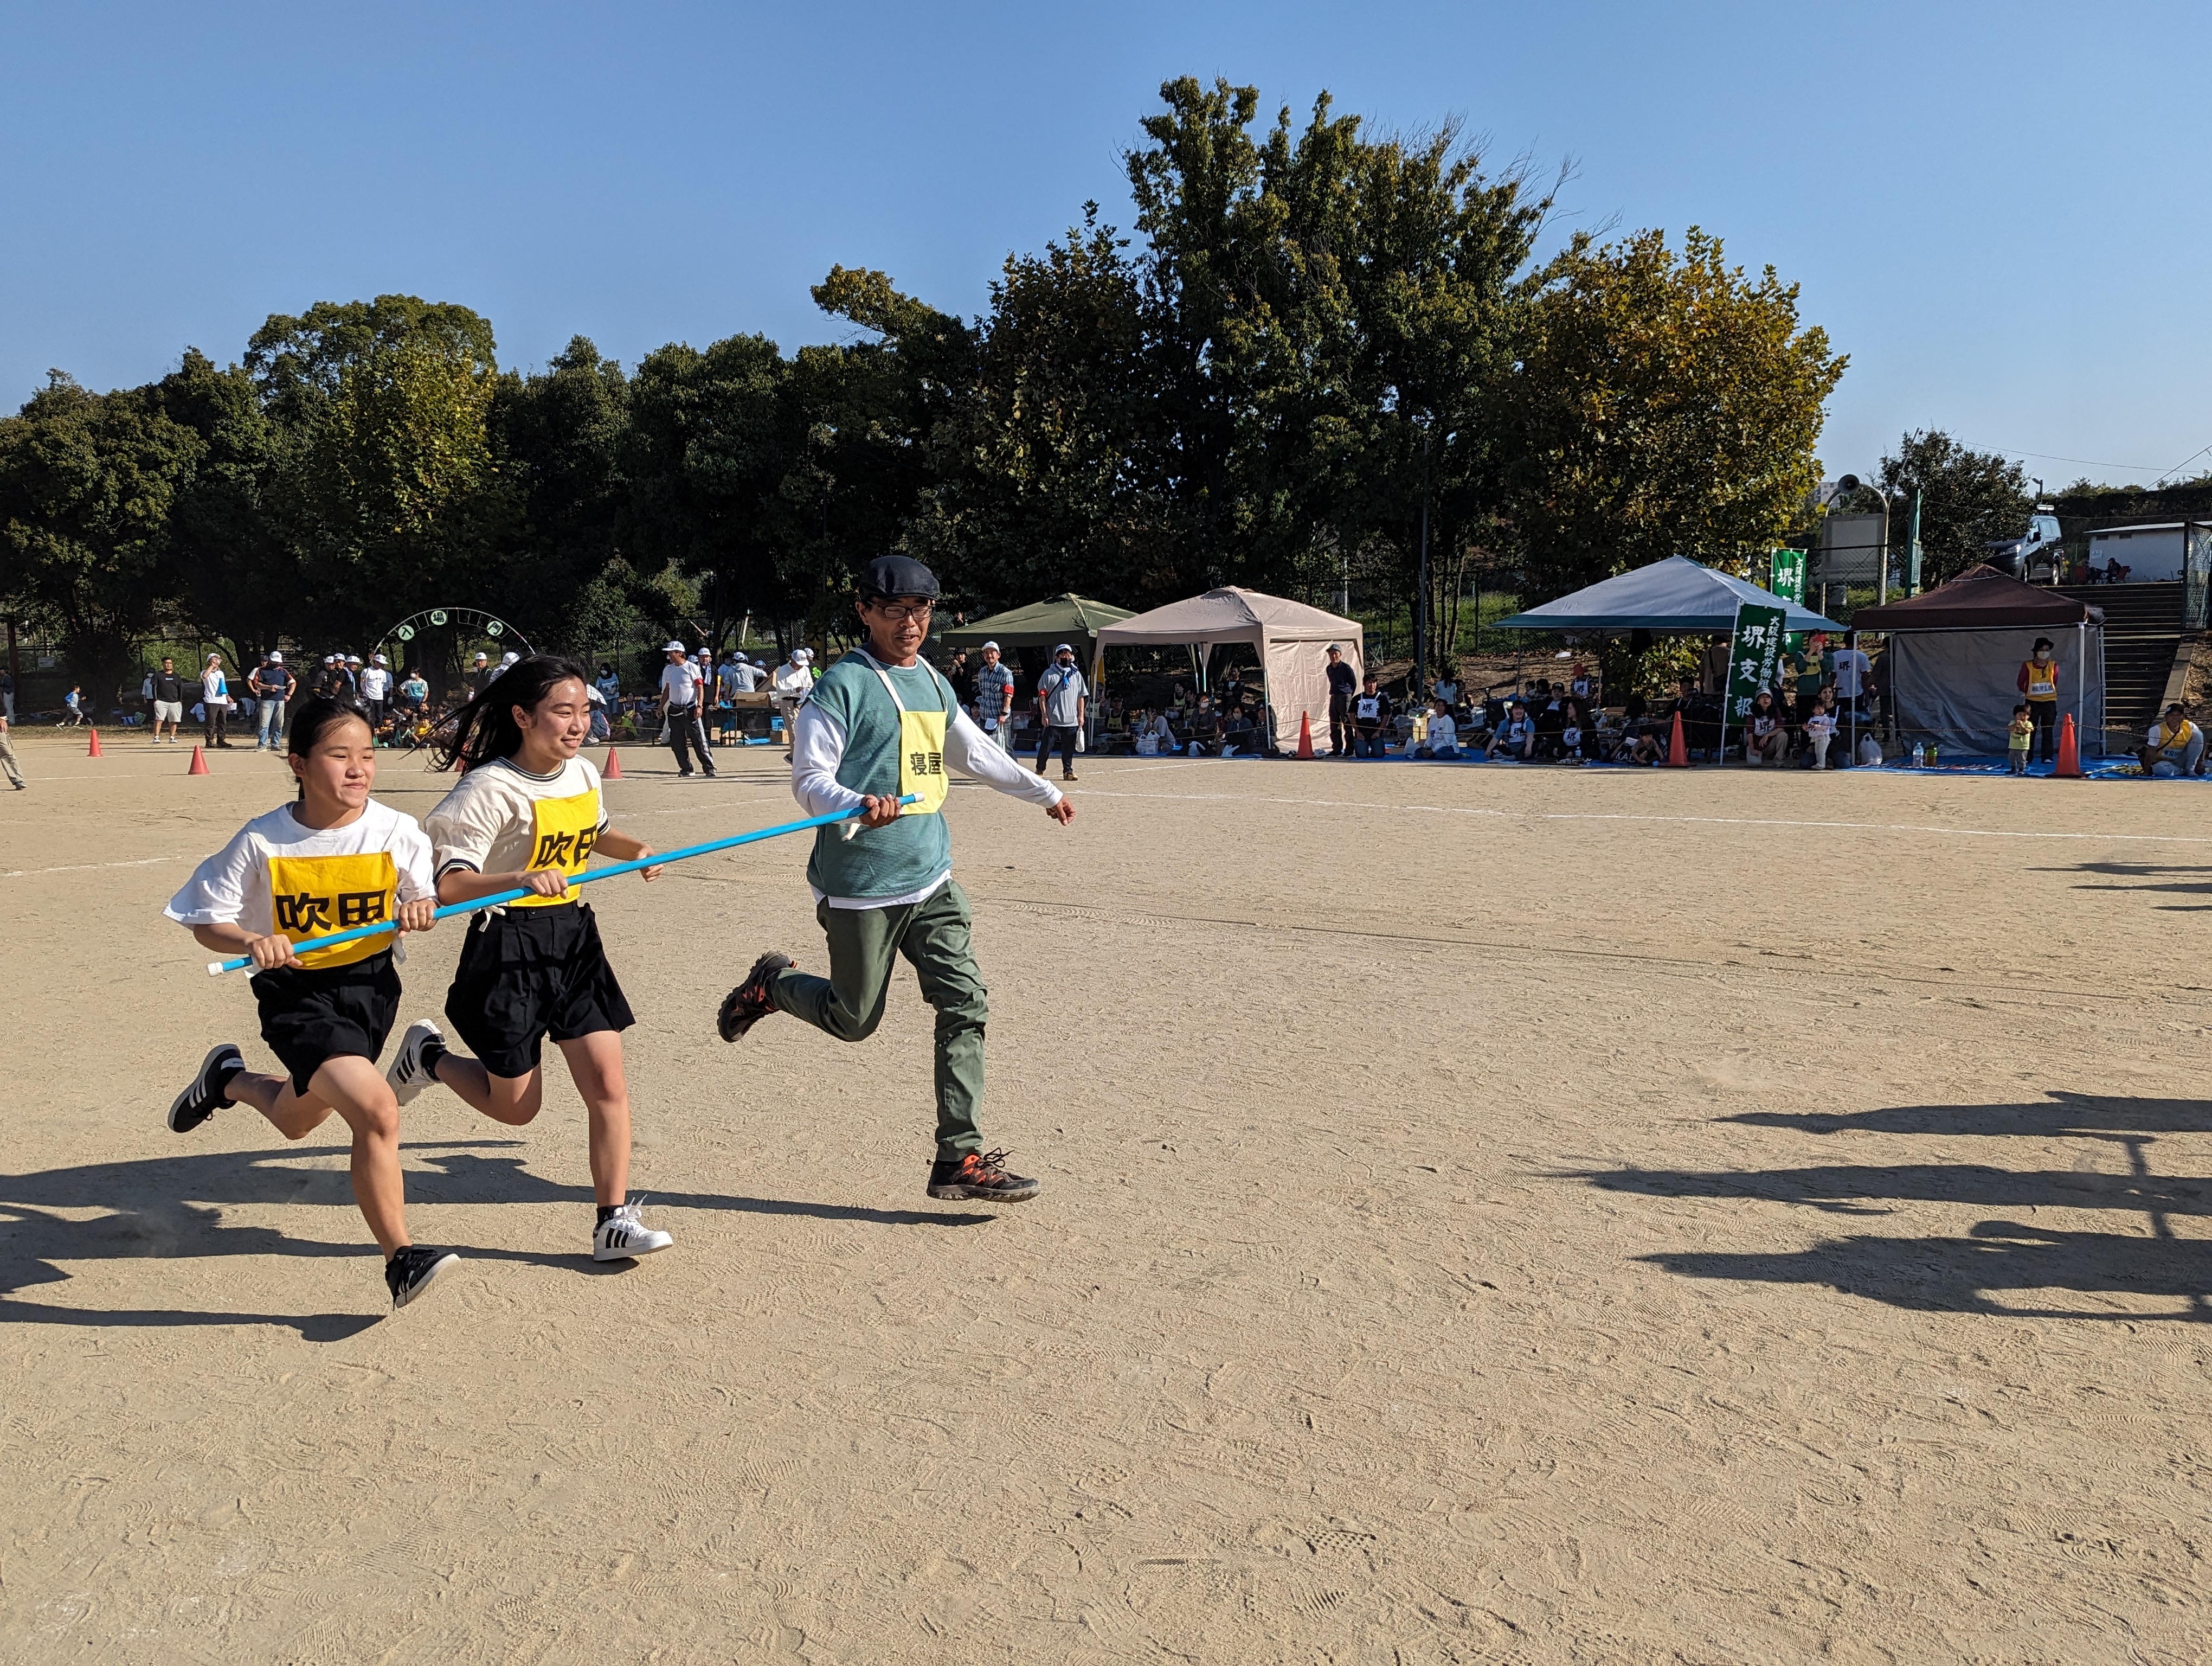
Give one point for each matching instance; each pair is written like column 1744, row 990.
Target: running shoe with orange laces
column 981, row 1177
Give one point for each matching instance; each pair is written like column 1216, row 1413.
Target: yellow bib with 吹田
column 564, row 831
column 922, row 753
column 319, row 895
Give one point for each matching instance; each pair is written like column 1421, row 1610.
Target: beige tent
column 1293, row 640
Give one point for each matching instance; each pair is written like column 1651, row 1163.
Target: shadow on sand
column 1969, row 1274
column 166, row 1207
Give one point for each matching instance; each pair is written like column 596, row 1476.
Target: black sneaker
column 980, row 1175
column 203, row 1097
column 408, row 1274
column 748, row 1003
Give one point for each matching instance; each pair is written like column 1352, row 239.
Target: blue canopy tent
column 1676, row 596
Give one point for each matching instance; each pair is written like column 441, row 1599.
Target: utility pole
column 1421, row 602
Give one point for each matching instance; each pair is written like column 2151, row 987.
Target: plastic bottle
column 1919, row 755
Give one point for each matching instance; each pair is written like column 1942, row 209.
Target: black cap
column 898, row 575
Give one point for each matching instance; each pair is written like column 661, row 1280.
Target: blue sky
column 2000, row 212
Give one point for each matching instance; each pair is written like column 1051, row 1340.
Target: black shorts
column 527, row 973
column 311, row 1015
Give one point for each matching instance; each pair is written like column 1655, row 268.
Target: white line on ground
column 1627, row 816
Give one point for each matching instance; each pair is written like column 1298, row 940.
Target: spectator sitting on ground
column 1441, row 739
column 2177, row 745
column 1204, row 728
column 1551, row 719
column 1239, row 735
column 1515, row 737
column 1578, row 739
column 1371, row 711
column 1152, row 733
column 1765, row 740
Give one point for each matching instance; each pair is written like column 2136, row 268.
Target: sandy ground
column 1491, row 1214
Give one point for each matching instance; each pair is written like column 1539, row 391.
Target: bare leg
column 513, row 1100
column 356, row 1089
column 595, row 1064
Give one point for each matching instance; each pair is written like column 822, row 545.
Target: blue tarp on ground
column 1673, row 597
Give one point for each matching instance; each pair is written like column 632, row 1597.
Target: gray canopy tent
column 1676, row 596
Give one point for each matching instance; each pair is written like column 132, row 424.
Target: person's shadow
column 172, row 1207
column 1967, row 1273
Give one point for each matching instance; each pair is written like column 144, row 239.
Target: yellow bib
column 2043, row 680
column 316, row 895
column 921, row 752
column 564, row 831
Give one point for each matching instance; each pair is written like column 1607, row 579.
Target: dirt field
column 1491, row 1214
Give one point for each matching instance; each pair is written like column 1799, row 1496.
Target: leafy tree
column 1663, row 404
column 87, row 484
column 1968, row 499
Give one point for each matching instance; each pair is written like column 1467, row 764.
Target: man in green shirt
column 879, row 727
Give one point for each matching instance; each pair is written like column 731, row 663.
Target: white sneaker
column 623, row 1235
column 409, row 1075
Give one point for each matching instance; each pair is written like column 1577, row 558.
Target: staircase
column 2143, row 633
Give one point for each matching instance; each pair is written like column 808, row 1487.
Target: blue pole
column 217, row 968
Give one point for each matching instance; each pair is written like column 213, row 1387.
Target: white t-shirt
column 375, row 681
column 680, row 683
column 1443, row 732
column 1820, row 722
column 237, row 884
column 490, row 821
column 215, row 689
column 1850, row 666
column 793, row 679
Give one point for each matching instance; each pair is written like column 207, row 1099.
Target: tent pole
column 2082, row 686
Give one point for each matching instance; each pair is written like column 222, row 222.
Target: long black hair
column 313, row 718
column 485, row 728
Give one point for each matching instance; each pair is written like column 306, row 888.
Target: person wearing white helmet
column 683, row 691
column 376, row 691
column 273, row 686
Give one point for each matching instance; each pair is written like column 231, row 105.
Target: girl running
column 527, row 814
column 334, row 859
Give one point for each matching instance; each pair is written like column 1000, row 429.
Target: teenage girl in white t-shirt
column 334, row 859
column 527, row 814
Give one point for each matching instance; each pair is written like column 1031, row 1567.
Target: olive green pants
column 849, row 1004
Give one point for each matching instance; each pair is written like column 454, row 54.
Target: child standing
column 2018, row 738
column 334, row 859
column 1821, row 729
column 526, row 815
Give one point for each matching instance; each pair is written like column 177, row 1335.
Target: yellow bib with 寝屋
column 313, row 896
column 2043, row 680
column 922, row 753
column 2173, row 742
column 562, row 833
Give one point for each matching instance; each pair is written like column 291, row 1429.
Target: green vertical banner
column 1789, row 585
column 1753, row 657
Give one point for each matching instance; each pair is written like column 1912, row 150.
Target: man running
column 882, row 726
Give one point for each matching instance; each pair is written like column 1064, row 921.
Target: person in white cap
column 995, row 698
column 215, row 698
column 479, row 677
column 376, row 691
column 682, row 690
column 273, row 686
column 789, row 687
column 1062, row 699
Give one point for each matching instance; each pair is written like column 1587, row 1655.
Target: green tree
column 1968, row 499
column 1664, row 404
column 86, row 484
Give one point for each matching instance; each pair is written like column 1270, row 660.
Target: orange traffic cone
column 199, row 761
column 95, row 751
column 1678, row 750
column 1305, row 734
column 613, row 771
column 2069, row 755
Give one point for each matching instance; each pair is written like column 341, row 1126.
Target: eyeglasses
column 900, row 612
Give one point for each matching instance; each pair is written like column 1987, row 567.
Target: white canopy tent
column 1292, row 638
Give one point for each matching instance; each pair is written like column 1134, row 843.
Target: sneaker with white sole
column 204, row 1098
column 623, row 1235
column 409, row 1075
column 408, row 1274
